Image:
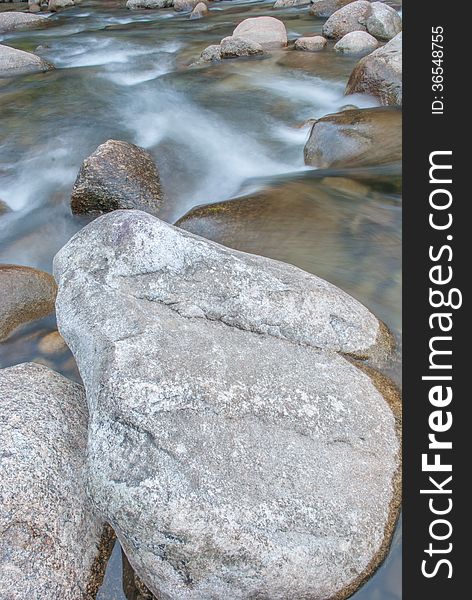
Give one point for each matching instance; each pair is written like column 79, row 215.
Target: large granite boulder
column 118, row 175
column 356, row 138
column 17, row 62
column 351, row 17
column 10, row 21
column 325, row 8
column 27, row 294
column 236, row 453
column 380, row 74
column 50, row 536
column 384, row 22
column 356, row 43
column 267, row 31
column 232, row 47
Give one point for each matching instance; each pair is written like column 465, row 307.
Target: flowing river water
column 216, row 132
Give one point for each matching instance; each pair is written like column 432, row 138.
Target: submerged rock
column 233, row 46
column 137, row 4
column 267, row 31
column 27, row 294
column 311, row 44
column 361, row 138
column 380, row 73
column 10, row 21
column 351, row 17
column 357, row 43
column 18, row 62
column 117, row 175
column 50, row 536
column 237, row 450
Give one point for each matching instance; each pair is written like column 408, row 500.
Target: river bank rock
column 118, row 175
column 357, row 43
column 232, row 47
column 50, row 537
column 380, row 74
column 138, row 4
column 325, row 8
column 27, row 294
column 17, row 62
column 360, row 138
column 200, row 11
column 267, row 31
column 206, row 455
column 311, row 43
column 383, row 21
column 10, row 21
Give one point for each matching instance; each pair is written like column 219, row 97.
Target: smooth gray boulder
column 267, row 31
column 138, row 4
column 384, row 22
column 351, row 17
column 357, row 43
column 200, row 11
column 232, row 47
column 17, row 62
column 50, row 536
column 10, row 21
column 380, row 74
column 233, row 457
column 313, row 43
column 325, row 8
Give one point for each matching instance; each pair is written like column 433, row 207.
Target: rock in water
column 290, row 3
column 233, row 456
column 27, row 294
column 311, row 43
column 325, row 8
column 383, row 22
column 137, row 4
column 362, row 138
column 18, row 62
column 200, row 11
column 357, row 43
column 49, row 535
column 211, row 53
column 117, row 175
column 267, row 31
column 185, row 5
column 380, row 73
column 352, row 17
column 55, row 5
column 10, row 21
column 232, row 47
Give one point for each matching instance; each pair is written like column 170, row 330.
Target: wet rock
column 325, row 8
column 363, row 137
column 200, row 10
column 357, row 43
column 185, row 5
column 335, row 227
column 34, row 6
column 205, row 455
column 311, row 44
column 117, row 175
column 383, row 22
column 351, row 17
column 27, row 294
column 10, row 21
column 267, row 31
column 211, row 53
column 380, row 73
column 137, row 4
column 290, row 3
column 52, row 343
column 17, row 62
column 50, row 537
column 233, row 46
column 55, row 5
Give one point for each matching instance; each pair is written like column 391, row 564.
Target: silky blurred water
column 216, row 132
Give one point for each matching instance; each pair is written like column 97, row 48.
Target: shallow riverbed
column 216, row 132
